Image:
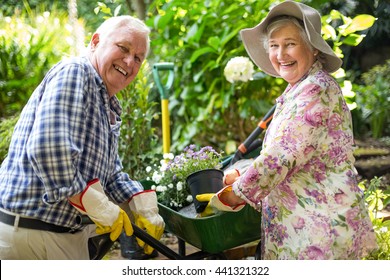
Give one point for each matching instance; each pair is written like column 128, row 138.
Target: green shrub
column 30, row 43
column 373, row 100
column 139, row 145
column 200, row 37
column 377, row 196
column 6, row 130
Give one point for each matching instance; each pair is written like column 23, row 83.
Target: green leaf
column 214, row 42
column 117, row 9
column 163, row 21
column 329, row 32
column 360, row 23
column 200, row 52
column 353, row 39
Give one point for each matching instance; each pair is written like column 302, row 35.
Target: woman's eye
column 122, row 48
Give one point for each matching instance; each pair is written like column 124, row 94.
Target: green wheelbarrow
column 215, row 234
column 211, row 235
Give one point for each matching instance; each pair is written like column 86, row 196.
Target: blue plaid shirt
column 67, row 135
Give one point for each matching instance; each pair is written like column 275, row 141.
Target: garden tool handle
column 163, row 66
column 163, row 89
column 263, row 124
column 245, row 147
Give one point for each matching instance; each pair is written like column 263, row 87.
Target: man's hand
column 107, row 216
column 144, row 207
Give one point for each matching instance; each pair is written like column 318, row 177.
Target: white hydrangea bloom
column 239, row 68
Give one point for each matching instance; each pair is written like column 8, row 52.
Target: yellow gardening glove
column 123, row 222
column 215, row 205
column 107, row 216
column 206, row 197
column 144, row 207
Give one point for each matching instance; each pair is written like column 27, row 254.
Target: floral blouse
column 304, row 179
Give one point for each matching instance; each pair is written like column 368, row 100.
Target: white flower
column 148, row 169
column 179, row 186
column 174, row 203
column 239, row 68
column 163, row 165
column 383, row 230
column 189, row 198
column 160, row 188
column 168, row 156
column 170, row 185
column 156, row 177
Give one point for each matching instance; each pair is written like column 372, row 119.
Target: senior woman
column 304, row 180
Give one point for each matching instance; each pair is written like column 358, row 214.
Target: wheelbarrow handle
column 144, row 236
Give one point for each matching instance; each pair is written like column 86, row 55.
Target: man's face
column 118, row 56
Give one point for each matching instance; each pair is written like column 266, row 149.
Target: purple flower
column 288, row 197
column 352, row 218
column 334, row 121
column 251, row 175
column 315, row 114
column 298, row 223
column 277, row 233
column 310, row 90
column 316, row 167
column 339, row 197
column 318, row 196
column 337, row 155
column 312, row 253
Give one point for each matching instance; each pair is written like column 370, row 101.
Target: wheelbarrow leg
column 182, row 247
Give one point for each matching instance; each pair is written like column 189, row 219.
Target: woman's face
column 289, row 54
column 118, row 57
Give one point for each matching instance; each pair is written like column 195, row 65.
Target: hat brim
column 251, row 37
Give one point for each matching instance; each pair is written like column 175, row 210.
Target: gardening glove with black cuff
column 215, row 205
column 108, row 217
column 144, row 208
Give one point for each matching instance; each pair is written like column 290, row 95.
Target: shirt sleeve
column 120, row 187
column 301, row 124
column 58, row 132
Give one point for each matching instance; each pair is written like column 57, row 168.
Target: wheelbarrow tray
column 214, row 234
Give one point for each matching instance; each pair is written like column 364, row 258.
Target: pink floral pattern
column 304, row 179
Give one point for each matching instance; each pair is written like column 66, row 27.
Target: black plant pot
column 204, row 181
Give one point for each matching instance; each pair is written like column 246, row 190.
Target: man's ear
column 95, row 40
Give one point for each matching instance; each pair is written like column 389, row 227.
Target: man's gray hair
column 132, row 23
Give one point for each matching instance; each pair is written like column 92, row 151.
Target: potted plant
column 177, row 177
